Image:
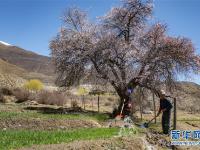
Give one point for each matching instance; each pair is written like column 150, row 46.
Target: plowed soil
column 46, row 124
column 117, row 143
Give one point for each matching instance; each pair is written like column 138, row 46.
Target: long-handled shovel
column 146, row 124
column 118, row 117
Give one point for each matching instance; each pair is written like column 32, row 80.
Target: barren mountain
column 11, row 75
column 25, row 59
column 14, row 76
column 188, row 96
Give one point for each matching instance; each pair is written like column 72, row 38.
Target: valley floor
column 44, row 127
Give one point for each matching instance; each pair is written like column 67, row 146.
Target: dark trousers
column 166, row 121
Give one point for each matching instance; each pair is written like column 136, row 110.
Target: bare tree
column 121, row 50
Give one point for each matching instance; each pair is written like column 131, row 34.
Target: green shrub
column 34, row 85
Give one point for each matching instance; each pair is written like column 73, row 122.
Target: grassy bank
column 16, row 139
column 33, row 114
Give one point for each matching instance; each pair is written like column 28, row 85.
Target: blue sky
column 31, row 24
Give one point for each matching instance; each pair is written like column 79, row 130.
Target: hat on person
column 162, row 92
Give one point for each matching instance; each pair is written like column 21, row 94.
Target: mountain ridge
column 27, row 60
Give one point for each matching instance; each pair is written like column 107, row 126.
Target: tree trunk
column 92, row 104
column 83, row 99
column 125, row 100
column 154, row 106
column 98, row 102
column 70, row 102
column 141, row 104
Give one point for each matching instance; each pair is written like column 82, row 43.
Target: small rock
column 147, row 112
column 4, row 129
column 33, row 103
column 62, row 127
column 149, row 135
column 8, row 99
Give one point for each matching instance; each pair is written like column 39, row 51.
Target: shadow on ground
column 63, row 110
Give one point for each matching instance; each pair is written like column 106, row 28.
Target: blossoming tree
column 122, row 49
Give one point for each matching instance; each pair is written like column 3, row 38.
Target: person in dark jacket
column 165, row 108
column 128, row 103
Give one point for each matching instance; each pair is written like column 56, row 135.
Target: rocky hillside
column 27, row 60
column 25, row 64
column 11, row 75
column 14, row 76
column 188, row 95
